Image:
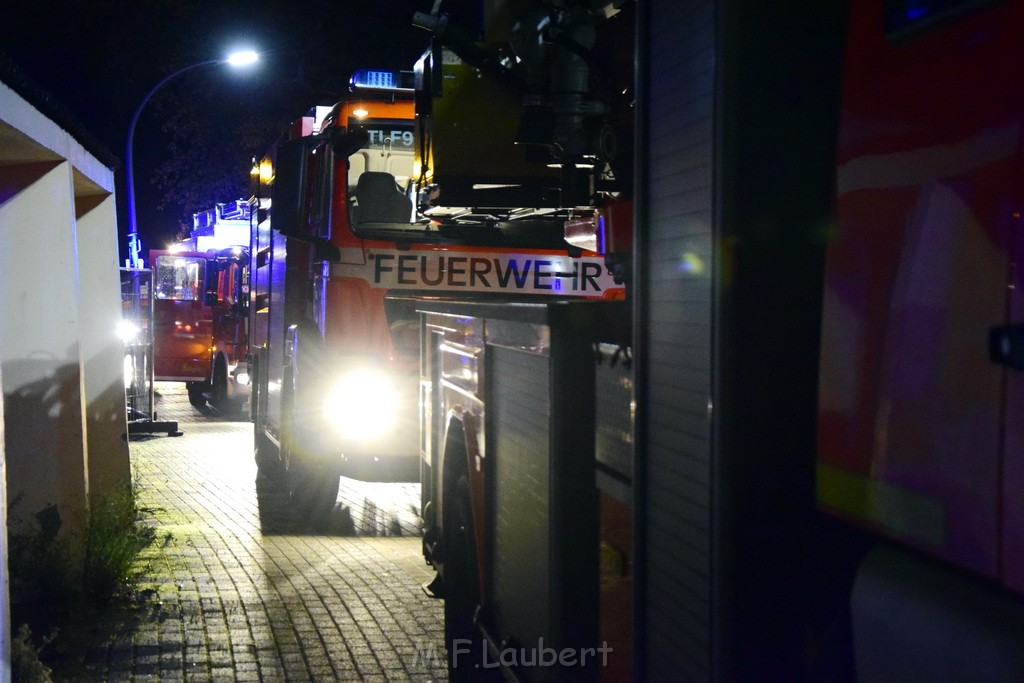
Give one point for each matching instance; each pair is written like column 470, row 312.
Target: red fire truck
column 920, row 354
column 525, row 408
column 200, row 309
column 343, row 219
column 919, row 435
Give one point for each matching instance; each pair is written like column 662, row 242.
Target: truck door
column 911, row 408
column 181, row 326
column 228, row 316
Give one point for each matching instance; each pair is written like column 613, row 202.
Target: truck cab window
column 379, row 174
column 179, row 278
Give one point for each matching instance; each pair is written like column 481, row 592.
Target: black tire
column 197, row 394
column 461, row 586
column 219, row 384
column 219, row 398
column 272, row 496
column 313, row 495
column 312, row 481
column 265, row 451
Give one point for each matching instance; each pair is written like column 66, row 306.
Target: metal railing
column 140, row 390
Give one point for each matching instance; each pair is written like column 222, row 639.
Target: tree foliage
column 195, row 140
column 216, row 123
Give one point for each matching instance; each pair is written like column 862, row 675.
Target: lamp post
column 142, row 360
column 241, row 58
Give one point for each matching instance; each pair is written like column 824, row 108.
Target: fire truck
column 342, row 222
column 528, row 408
column 525, row 403
column 787, row 355
column 200, row 309
column 919, row 438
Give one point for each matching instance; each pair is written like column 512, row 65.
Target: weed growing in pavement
column 64, row 586
column 41, row 569
column 25, row 663
column 116, row 537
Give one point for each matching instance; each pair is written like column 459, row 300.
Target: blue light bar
column 376, row 79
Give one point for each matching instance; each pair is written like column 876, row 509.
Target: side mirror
column 302, row 176
column 210, row 288
column 303, row 188
column 345, row 144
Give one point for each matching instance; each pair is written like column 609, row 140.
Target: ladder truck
column 525, row 402
column 917, row 371
column 341, row 253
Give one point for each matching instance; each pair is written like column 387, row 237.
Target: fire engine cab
column 200, row 305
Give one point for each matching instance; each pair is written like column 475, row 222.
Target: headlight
column 361, row 404
column 127, row 330
column 240, row 373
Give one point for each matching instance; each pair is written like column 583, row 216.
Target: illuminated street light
column 235, row 59
column 243, row 58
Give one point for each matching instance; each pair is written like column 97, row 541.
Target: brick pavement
column 238, row 605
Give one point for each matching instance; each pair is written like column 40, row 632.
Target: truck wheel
column 312, row 482
column 266, row 453
column 272, row 495
column 219, row 390
column 313, row 492
column 197, row 394
column 461, row 588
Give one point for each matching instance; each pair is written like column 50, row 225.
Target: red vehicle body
column 922, row 343
column 920, row 437
column 335, row 361
column 526, row 484
column 200, row 316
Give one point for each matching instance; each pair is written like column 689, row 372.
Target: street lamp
column 236, row 59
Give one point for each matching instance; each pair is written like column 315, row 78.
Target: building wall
column 5, row 606
column 39, row 349
column 60, row 358
column 102, row 351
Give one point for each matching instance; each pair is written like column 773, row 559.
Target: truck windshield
column 179, row 278
column 379, row 174
column 382, row 195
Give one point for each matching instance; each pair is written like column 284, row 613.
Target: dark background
column 195, row 140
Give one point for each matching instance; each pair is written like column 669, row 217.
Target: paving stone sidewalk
column 237, row 605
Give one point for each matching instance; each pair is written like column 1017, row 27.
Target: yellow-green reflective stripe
column 901, row 511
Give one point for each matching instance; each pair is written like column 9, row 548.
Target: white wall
column 102, row 351
column 60, row 359
column 39, row 350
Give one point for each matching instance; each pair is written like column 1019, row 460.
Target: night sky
column 100, row 58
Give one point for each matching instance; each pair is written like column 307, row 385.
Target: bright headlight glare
column 361, row 405
column 242, row 378
column 127, row 331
